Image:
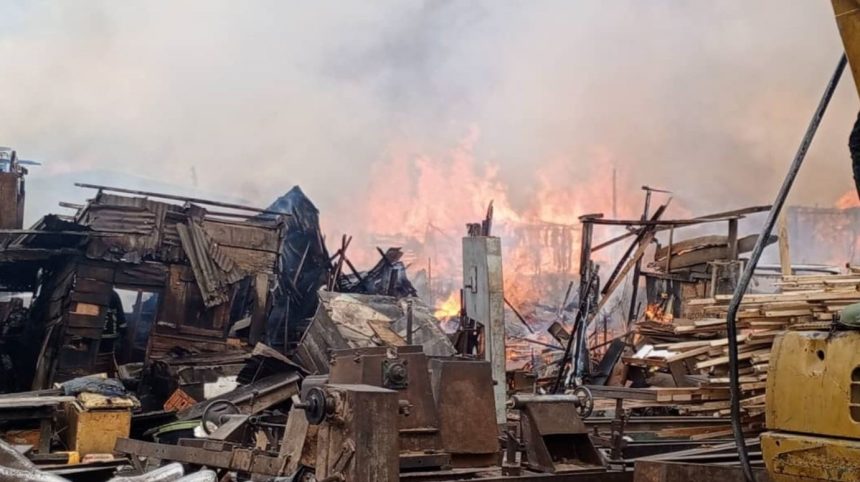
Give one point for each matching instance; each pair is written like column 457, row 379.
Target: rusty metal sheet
column 466, row 428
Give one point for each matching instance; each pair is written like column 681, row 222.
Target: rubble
column 197, row 333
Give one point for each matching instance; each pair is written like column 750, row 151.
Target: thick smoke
column 245, row 99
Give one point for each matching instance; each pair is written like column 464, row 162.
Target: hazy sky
column 707, row 98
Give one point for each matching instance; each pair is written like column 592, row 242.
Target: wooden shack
column 137, row 277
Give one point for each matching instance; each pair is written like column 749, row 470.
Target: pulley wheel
column 586, row 401
column 315, row 405
column 214, row 411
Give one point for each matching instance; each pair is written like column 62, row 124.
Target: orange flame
column 449, row 308
column 848, row 200
column 656, row 312
column 422, row 203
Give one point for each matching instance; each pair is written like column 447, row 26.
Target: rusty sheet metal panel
column 213, row 269
column 556, row 439
column 848, row 19
column 463, row 391
column 348, row 320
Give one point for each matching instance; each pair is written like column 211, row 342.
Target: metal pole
column 409, row 322
column 760, row 244
column 581, row 315
column 631, row 315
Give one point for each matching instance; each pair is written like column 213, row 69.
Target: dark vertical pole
column 631, row 315
column 733, row 239
column 409, row 322
column 586, row 282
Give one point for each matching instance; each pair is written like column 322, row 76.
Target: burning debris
column 150, row 328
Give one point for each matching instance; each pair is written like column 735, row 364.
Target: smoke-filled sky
column 242, row 100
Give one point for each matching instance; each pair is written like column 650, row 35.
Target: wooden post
column 258, row 315
column 784, row 252
column 733, row 239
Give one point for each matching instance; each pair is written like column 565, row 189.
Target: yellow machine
column 813, row 407
column 813, row 388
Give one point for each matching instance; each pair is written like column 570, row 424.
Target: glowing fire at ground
column 657, row 312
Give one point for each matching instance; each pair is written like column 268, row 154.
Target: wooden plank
column 86, row 309
column 84, row 285
column 94, row 272
column 383, row 330
column 784, row 251
column 85, row 321
column 725, row 359
column 688, row 354
column 102, row 299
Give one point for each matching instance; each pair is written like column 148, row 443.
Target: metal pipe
column 760, row 244
column 520, row 400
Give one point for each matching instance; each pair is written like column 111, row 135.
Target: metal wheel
column 315, row 405
column 213, row 412
column 586, row 401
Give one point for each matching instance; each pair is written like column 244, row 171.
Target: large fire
column 422, row 203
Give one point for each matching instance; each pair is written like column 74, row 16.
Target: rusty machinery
column 554, row 436
column 357, row 439
column 443, row 402
column 448, row 419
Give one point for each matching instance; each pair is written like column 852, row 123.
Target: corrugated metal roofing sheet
column 213, row 270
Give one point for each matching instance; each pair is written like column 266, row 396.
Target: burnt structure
column 304, row 268
column 129, row 278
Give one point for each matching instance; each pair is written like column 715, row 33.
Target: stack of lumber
column 695, row 351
